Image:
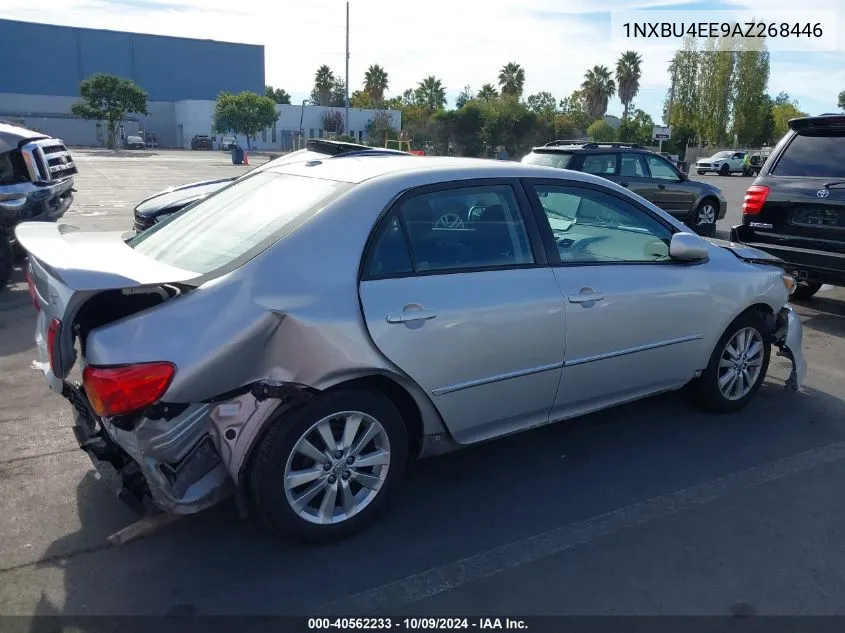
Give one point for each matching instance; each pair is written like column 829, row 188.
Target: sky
column 462, row 42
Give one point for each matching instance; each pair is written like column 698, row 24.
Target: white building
column 195, row 117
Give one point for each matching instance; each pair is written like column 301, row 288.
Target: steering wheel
column 449, row 221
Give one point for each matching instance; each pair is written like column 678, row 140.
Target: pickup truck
column 36, row 185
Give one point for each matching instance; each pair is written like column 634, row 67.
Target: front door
column 671, row 193
column 457, row 293
column 635, row 319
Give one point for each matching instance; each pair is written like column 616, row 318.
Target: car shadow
column 452, row 507
column 17, row 316
column 137, row 153
column 824, row 314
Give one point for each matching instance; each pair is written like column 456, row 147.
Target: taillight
column 32, row 292
column 117, row 390
column 53, row 336
column 755, row 197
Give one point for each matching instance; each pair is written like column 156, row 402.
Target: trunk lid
column 67, row 268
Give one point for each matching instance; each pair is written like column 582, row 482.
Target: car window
column 250, row 214
column 819, row 154
column 592, row 227
column 390, row 254
column 721, row 155
column 600, row 164
column 561, row 160
column 472, row 227
column 660, row 169
column 633, row 166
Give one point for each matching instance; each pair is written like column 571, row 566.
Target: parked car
column 227, row 143
column 334, row 318
column 201, row 142
column 36, row 184
column 135, row 142
column 795, row 209
column 646, row 173
column 756, row 161
column 165, row 203
column 723, row 163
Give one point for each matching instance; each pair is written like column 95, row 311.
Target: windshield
column 249, row 215
column 560, row 160
column 818, row 154
column 722, row 155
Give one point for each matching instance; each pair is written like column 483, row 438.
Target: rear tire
column 742, row 354
column 308, row 490
column 806, row 291
column 704, row 218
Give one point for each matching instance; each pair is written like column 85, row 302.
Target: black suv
column 795, row 209
column 644, row 172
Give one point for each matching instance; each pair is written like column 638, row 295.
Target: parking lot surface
column 650, row 508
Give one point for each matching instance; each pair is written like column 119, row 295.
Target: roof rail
column 588, row 144
column 582, row 141
column 375, row 151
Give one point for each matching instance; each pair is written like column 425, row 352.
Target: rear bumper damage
column 788, row 335
column 180, row 458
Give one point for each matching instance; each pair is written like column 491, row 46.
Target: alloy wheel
column 706, row 215
column 741, row 363
column 337, row 467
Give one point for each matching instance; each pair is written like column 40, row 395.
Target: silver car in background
column 295, row 338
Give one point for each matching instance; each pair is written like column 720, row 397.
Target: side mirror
column 688, row 247
column 682, row 176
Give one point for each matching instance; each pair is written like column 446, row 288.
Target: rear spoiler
column 816, row 122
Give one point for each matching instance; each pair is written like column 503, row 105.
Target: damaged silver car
column 300, row 335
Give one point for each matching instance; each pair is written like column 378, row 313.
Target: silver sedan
column 294, row 339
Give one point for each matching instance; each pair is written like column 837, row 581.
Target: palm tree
column 375, row 83
column 628, row 73
column 598, row 88
column 324, row 82
column 512, row 79
column 488, row 92
column 431, row 93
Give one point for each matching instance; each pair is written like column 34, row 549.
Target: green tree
column 430, row 94
column 681, row 110
column 244, row 113
column 376, row 83
column 338, row 97
column 488, row 92
column 598, row 87
column 324, row 83
column 360, row 99
column 379, row 129
column 628, row 74
column 637, row 128
column 543, row 104
column 783, row 109
column 278, row 95
column 574, row 107
column 842, row 100
column 601, row 131
column 465, row 97
column 749, row 84
column 716, row 72
column 512, row 80
column 110, row 99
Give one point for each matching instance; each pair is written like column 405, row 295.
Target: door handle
column 624, row 184
column 661, row 186
column 411, row 313
column 587, row 295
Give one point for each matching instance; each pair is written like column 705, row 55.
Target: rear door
column 457, row 293
column 633, row 174
column 805, row 204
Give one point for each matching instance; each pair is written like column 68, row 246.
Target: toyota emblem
column 823, row 193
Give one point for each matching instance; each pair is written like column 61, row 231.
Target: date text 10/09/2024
column 722, row 29
column 417, row 624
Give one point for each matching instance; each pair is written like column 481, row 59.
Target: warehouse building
column 181, row 77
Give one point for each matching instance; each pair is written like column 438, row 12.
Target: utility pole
column 346, row 115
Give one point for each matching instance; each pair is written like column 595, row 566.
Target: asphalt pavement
column 650, row 508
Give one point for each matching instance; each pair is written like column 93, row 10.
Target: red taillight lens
column 53, row 334
column 117, row 390
column 32, row 293
column 754, row 199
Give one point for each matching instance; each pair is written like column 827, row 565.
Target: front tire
column 806, row 291
column 724, row 170
column 327, row 470
column 737, row 366
column 701, row 172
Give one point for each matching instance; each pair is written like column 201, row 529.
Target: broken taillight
column 755, row 197
column 53, row 337
column 33, row 294
column 126, row 388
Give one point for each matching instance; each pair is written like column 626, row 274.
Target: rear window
column 814, row 154
column 561, row 160
column 240, row 220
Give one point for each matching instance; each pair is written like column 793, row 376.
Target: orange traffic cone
column 246, row 158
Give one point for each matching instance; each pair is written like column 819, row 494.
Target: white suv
column 722, row 163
